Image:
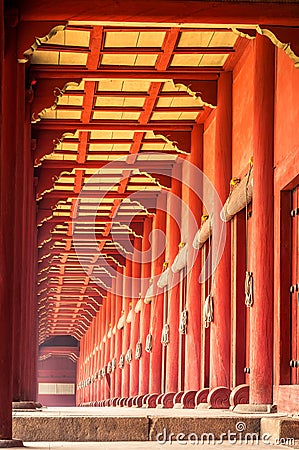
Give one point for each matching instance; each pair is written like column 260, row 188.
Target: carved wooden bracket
column 204, row 91
column 47, row 93
column 32, row 34
column 285, row 38
column 181, row 140
column 45, row 251
column 46, row 181
column 46, row 142
column 45, row 232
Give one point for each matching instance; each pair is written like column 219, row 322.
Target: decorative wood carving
column 167, row 399
column 285, row 38
column 203, row 91
column 151, row 400
column 47, row 93
column 219, row 398
column 28, row 41
column 188, row 399
column 239, row 395
column 201, row 396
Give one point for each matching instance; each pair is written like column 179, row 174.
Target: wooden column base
column 144, row 400
column 177, row 400
column 9, row 443
column 201, row 397
column 159, row 401
column 239, row 395
column 129, row 402
column 188, row 399
column 123, row 401
column 167, row 399
column 151, row 400
column 26, row 405
column 218, row 398
column 139, row 401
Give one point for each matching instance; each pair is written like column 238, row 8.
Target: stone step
column 125, row 424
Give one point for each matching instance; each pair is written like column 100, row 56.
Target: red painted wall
column 57, row 369
column 286, row 109
column 286, row 157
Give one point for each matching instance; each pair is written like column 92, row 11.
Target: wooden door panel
column 294, row 289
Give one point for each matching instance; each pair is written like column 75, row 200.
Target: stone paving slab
column 134, row 446
column 85, row 429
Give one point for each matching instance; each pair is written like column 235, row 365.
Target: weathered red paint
column 146, row 308
column 173, row 229
column 158, row 256
column 221, row 327
column 193, row 338
column 127, row 286
column 135, row 327
column 261, row 320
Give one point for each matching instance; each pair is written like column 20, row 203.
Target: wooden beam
column 197, row 73
column 163, row 166
column 163, row 11
column 73, row 125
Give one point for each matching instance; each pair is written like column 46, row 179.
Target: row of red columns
column 18, row 248
column 145, row 375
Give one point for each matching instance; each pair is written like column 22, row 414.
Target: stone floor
column 132, row 412
column 136, row 446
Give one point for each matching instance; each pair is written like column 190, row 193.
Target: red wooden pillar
column 193, row 337
column 112, row 339
column 146, row 308
column 88, row 364
column 33, row 319
column 107, row 344
column 100, row 347
column 98, row 353
column 173, row 239
column 19, row 207
column 135, row 327
column 127, row 328
column 25, row 279
column 82, row 370
column 103, row 346
column 7, row 230
column 159, row 223
column 93, row 359
column 78, row 380
column 119, row 333
column 85, row 368
column 261, row 320
column 221, row 327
